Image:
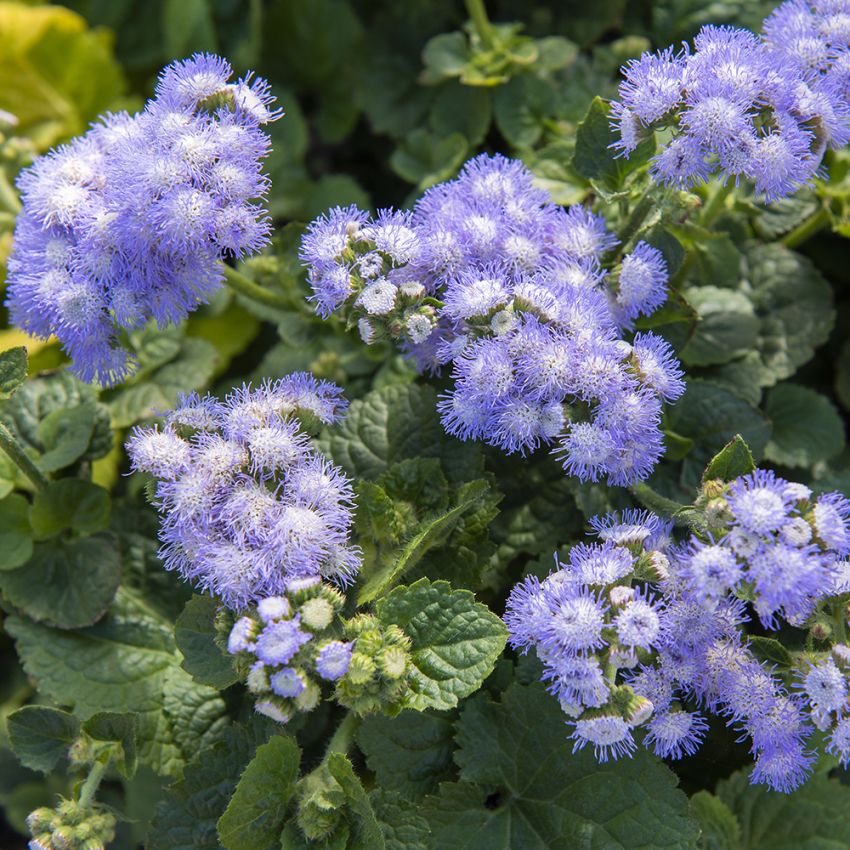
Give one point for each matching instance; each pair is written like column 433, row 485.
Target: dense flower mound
column 247, row 504
column 640, row 636
column 763, row 108
column 128, row 222
column 487, row 275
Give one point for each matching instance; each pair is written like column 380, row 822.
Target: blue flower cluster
column 128, row 222
column 761, row 109
column 287, row 645
column 486, row 274
column 247, row 504
column 638, row 634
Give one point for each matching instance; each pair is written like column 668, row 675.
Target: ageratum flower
column 635, row 632
column 247, row 505
column 488, row 278
column 761, row 109
column 128, row 222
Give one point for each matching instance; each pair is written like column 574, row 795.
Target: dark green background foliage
column 384, row 98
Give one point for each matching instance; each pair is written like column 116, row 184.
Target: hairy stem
column 343, row 738
column 245, row 286
column 91, row 784
column 806, row 229
column 11, row 445
column 478, row 16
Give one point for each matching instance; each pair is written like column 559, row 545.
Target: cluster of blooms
column 128, row 222
column 288, row 644
column 488, row 275
column 639, row 633
column 764, row 109
column 247, row 504
column 71, row 826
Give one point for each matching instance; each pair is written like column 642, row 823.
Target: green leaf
column 70, row 503
column 794, row 305
column 594, row 158
column 60, row 392
column 66, row 583
column 188, row 27
column 732, row 461
column 445, row 56
column 127, row 662
column 806, row 426
column 428, row 535
column 186, row 819
column 455, row 640
column 720, row 828
column 424, row 158
column 119, row 730
column 727, row 326
column 41, row 736
column 169, row 366
column 522, row 786
column 410, row 753
column 711, row 416
column 56, row 75
column 394, row 423
column 461, row 109
column 365, row 831
column 13, row 371
column 15, row 533
column 401, row 824
column 522, row 107
column 194, row 633
column 815, row 817
column 65, row 435
column 772, row 652
column 254, row 816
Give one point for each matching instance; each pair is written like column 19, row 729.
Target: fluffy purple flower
column 609, row 735
column 333, row 660
column 758, row 502
column 280, row 641
column 741, row 107
column 130, row 221
column 247, row 505
column 675, row 734
column 642, row 285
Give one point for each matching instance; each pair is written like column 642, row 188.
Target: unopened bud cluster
column 377, row 678
column 288, row 646
column 71, row 826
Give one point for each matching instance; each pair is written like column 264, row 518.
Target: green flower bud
column 392, row 662
column 258, row 679
column 361, row 669
column 309, row 698
column 317, row 614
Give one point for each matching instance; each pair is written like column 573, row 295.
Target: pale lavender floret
column 273, row 608
column 163, row 454
column 759, row 501
column 578, row 617
column 652, row 85
column 333, row 659
column 609, row 735
column 638, row 623
column 129, row 222
column 280, row 641
column 675, row 734
column 825, row 686
column 287, row 682
column 832, row 522
column 658, row 365
column 600, row 564
column 709, row 569
column 242, row 635
column 642, row 282
column 629, row 526
column 839, row 741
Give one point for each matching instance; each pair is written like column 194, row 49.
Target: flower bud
column 392, row 662
column 620, row 595
column 317, row 614
column 361, row 669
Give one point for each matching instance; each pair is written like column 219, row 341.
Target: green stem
column 716, row 204
column 91, row 784
column 245, row 286
column 9, row 443
column 478, row 15
column 638, row 216
column 804, row 231
column 343, row 738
